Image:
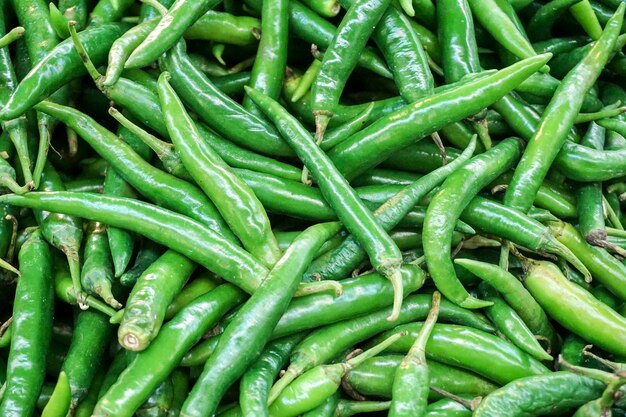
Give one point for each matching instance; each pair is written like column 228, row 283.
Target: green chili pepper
column 148, row 301
column 97, row 272
column 180, row 16
column 412, row 380
column 376, row 142
column 31, row 328
column 242, row 210
column 551, row 133
column 245, row 337
column 134, row 385
column 537, row 395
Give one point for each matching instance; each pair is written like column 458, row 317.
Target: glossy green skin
column 121, row 243
column 314, row 29
column 590, row 211
column 180, row 385
column 350, row 254
column 159, row 402
column 147, row 303
column 323, row 344
column 308, row 391
column 88, row 403
column 236, row 202
column 40, row 37
column 496, row 219
column 146, row 256
column 563, row 301
column 557, row 119
column 515, row 294
column 134, row 385
column 447, row 408
column 90, row 339
column 268, row 70
column 61, row 66
column 142, row 103
column 97, row 271
column 256, row 382
column 246, row 335
column 374, row 377
column 123, row 47
column 75, row 10
column 383, row 252
column 581, row 163
column 360, row 296
column 232, row 84
column 504, row 29
column 163, row 188
column 180, row 233
column 327, row 409
column 455, row 27
column 539, row 395
column 198, row 286
column 225, row 28
column 540, row 25
column 60, row 230
column 376, row 142
column 604, row 267
column 446, row 207
column 33, row 309
column 109, row 11
column 510, row 324
column 179, row 17
column 402, row 49
column 340, row 57
column 218, row 110
column 470, row 349
column 543, row 86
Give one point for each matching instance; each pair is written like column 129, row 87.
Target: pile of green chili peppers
column 316, row 208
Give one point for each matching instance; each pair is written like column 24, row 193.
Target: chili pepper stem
column 560, row 249
column 370, row 353
column 308, row 288
column 11, row 184
column 84, row 56
column 599, row 238
column 287, row 378
column 322, row 118
column 395, row 277
column 5, row 265
column 73, row 261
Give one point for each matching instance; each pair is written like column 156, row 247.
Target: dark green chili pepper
column 315, row 385
column 256, row 382
column 179, row 17
column 109, row 11
column 376, row 142
column 340, row 59
column 510, row 324
column 97, row 272
column 411, row 382
column 91, row 335
column 147, row 303
column 374, row 377
column 159, row 402
column 537, row 395
column 447, row 408
column 134, row 385
column 323, row 344
column 447, row 205
column 551, row 133
column 271, row 58
column 245, row 336
column 59, row 67
column 242, row 210
column 383, row 252
column 148, row 253
column 564, row 300
column 327, row 409
column 314, row 29
column 33, row 310
column 86, row 406
column 218, row 110
column 341, row 261
column 470, row 349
